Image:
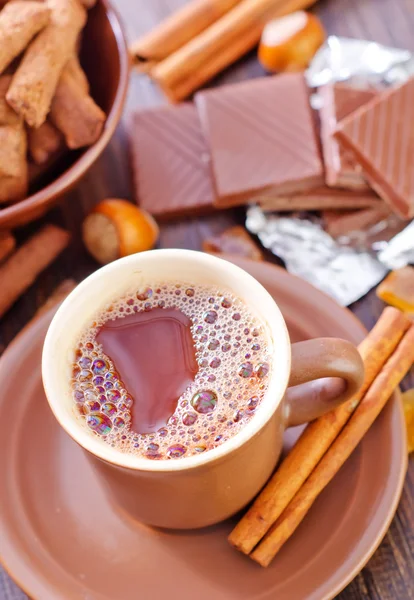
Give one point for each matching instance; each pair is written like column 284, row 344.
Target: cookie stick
column 74, row 68
column 13, row 144
column 34, row 83
column 75, row 113
column 88, row 3
column 19, row 23
column 43, row 142
column 7, row 244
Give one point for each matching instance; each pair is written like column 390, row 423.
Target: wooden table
column 389, row 575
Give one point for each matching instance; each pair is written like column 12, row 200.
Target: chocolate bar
column 319, row 199
column 339, row 101
column 262, row 138
column 380, row 135
column 171, row 162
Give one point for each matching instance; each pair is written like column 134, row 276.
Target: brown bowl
column 105, row 58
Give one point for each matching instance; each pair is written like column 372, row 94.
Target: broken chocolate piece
column 380, row 135
column 262, row 138
column 171, row 162
column 338, row 223
column 319, row 199
column 234, row 241
column 339, row 101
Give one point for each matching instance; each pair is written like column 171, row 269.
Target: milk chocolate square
column 339, row 101
column 381, row 136
column 261, row 136
column 171, row 162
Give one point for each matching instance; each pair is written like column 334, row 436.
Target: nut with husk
column 117, row 228
column 290, row 42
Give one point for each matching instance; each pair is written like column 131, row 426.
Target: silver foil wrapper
column 309, row 252
column 360, row 62
column 349, row 267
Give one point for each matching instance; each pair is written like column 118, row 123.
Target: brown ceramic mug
column 204, row 489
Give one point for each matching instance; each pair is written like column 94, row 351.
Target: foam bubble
column 226, row 391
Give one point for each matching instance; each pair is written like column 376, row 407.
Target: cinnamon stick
column 22, row 268
column 19, row 23
column 7, row 244
column 318, row 436
column 178, row 29
column 214, row 49
column 37, row 76
column 371, row 405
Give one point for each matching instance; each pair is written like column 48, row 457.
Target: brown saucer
column 60, row 539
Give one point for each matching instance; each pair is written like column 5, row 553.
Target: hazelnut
column 290, row 43
column 117, row 228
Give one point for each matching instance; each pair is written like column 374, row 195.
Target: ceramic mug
column 203, row 489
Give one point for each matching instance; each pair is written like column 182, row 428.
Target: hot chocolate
column 171, row 370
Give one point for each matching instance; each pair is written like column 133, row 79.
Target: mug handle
column 309, row 396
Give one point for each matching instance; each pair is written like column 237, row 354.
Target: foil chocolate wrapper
column 309, row 252
column 346, row 268
column 359, row 62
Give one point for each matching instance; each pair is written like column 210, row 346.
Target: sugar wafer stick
column 7, row 244
column 75, row 113
column 35, row 81
column 74, row 69
column 44, row 141
column 19, row 23
column 13, row 146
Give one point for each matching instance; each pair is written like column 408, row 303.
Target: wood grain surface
column 389, row 575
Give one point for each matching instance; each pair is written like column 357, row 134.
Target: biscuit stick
column 19, row 23
column 44, row 141
column 7, row 244
column 75, row 113
column 74, row 69
column 35, row 81
column 13, row 144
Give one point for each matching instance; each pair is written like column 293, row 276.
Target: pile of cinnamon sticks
column 203, row 38
column 326, row 443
